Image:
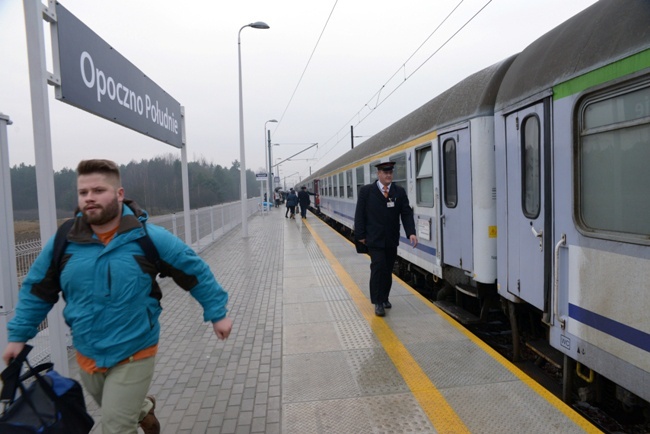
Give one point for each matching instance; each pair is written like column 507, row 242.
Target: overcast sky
column 362, row 72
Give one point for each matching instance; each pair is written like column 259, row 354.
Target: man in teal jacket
column 112, row 298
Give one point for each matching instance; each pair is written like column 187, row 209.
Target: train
column 530, row 187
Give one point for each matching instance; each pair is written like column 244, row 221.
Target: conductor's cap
column 386, row 166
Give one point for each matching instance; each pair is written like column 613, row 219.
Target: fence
column 208, row 225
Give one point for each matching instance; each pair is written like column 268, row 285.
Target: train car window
column 373, row 170
column 360, row 179
column 424, row 177
column 612, row 159
column 341, row 186
column 530, row 166
column 399, row 172
column 349, row 188
column 450, row 173
column 335, row 192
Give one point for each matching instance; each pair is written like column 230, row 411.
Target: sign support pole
column 186, row 184
column 8, row 274
column 35, row 12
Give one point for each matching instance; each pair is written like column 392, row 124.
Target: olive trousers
column 121, row 393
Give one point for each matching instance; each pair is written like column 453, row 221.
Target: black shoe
column 387, row 304
column 379, row 310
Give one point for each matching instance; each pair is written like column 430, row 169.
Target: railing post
column 212, row 221
column 198, row 233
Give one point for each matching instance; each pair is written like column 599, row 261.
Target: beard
column 101, row 215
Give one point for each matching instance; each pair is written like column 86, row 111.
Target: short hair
column 105, row 167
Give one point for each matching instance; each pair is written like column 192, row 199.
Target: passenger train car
column 530, row 186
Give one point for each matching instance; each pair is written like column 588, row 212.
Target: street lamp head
column 272, row 120
column 259, row 25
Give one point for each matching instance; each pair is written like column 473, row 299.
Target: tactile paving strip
column 356, row 334
column 344, row 310
column 335, row 416
column 397, row 414
column 392, row 414
column 374, row 372
column 334, row 293
column 334, row 379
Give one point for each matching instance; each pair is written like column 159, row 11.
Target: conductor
column 376, row 224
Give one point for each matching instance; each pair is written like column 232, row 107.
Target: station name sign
column 98, row 79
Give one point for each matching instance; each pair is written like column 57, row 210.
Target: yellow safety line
column 368, row 313
column 440, row 413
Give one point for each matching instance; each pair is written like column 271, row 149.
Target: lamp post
column 269, row 182
column 242, row 152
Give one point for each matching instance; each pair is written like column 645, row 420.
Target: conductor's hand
column 222, row 328
column 12, row 350
column 414, row 240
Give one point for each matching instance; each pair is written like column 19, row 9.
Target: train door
column 316, row 191
column 527, row 186
column 456, row 198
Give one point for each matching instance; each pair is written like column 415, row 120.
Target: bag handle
column 11, row 375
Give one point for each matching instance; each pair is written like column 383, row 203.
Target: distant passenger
column 112, row 298
column 276, row 198
column 376, row 225
column 292, row 201
column 303, row 199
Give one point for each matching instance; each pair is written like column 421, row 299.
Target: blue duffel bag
column 48, row 403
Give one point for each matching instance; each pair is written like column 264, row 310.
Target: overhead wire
column 307, row 65
column 377, row 94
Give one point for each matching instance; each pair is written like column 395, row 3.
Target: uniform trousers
column 121, row 393
column 381, row 273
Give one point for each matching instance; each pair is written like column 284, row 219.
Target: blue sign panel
column 98, row 79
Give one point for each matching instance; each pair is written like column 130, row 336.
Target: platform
column 308, row 355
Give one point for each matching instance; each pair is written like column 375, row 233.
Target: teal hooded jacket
column 112, row 299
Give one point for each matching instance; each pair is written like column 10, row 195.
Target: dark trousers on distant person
column 303, row 211
column 381, row 273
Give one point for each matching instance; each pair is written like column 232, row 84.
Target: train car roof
column 472, row 97
column 605, row 32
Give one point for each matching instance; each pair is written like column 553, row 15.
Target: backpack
column 61, row 242
column 49, row 404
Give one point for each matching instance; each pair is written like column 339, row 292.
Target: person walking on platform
column 292, row 201
column 112, row 297
column 376, row 225
column 303, row 199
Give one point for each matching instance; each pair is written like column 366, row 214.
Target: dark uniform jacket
column 377, row 223
column 303, row 198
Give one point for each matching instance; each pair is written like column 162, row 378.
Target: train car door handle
column 537, row 234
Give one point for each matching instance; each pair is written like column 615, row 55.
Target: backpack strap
column 151, row 252
column 60, row 243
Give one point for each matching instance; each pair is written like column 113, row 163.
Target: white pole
column 35, row 11
column 186, row 183
column 8, row 273
column 242, row 149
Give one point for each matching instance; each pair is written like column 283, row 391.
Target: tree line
column 155, row 184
